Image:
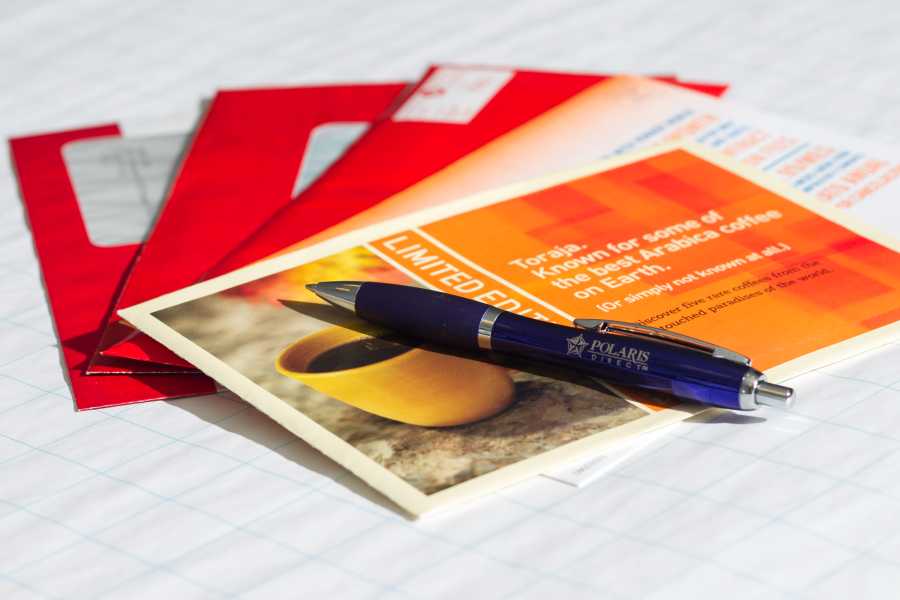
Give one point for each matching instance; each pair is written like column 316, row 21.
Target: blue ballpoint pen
column 626, row 353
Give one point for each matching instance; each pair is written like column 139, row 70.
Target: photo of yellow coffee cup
column 407, row 384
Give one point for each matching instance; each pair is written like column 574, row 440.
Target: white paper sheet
column 585, row 472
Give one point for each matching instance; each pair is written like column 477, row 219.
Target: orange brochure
column 626, row 113
column 677, row 237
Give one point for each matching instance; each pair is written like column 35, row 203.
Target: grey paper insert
column 326, row 144
column 120, row 183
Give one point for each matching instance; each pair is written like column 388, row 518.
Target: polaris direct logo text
column 608, row 353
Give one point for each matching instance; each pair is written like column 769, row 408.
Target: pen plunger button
column 771, row 394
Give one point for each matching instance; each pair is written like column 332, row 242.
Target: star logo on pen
column 577, row 345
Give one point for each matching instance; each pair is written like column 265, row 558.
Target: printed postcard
column 677, row 238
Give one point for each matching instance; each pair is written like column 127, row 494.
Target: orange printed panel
column 677, row 242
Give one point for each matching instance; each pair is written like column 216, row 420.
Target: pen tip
column 339, row 293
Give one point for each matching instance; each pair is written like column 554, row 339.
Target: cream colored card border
column 380, row 478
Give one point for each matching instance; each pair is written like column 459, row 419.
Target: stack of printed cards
column 93, row 195
column 551, row 195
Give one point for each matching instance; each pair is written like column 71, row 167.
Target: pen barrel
column 649, row 364
column 425, row 314
column 629, row 360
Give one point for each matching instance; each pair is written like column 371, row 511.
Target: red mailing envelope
column 253, row 152
column 85, row 249
column 452, row 111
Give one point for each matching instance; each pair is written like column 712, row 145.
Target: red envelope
column 451, row 112
column 81, row 278
column 240, row 169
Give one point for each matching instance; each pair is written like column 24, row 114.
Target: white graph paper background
column 204, row 498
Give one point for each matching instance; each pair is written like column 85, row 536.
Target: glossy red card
column 453, row 111
column 83, row 265
column 252, row 153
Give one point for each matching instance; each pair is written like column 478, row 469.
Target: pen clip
column 685, row 341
